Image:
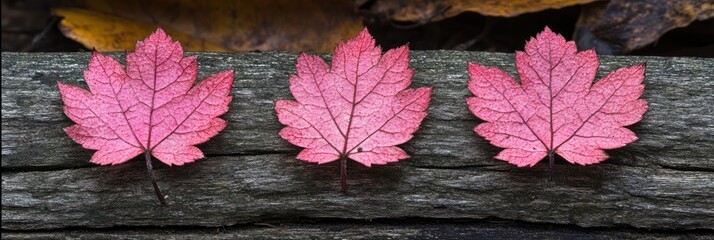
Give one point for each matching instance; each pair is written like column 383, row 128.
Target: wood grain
column 663, row 181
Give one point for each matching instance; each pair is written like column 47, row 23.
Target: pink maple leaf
column 556, row 108
column 148, row 108
column 358, row 108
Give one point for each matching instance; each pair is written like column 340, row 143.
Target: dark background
column 29, row 26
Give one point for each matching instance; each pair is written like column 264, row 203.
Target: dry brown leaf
column 426, row 10
column 621, row 26
column 101, row 31
column 306, row 25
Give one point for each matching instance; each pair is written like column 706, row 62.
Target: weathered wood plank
column 676, row 132
column 242, row 189
column 665, row 180
column 380, row 229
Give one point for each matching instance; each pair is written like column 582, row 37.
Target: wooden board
column 359, row 229
column 663, row 181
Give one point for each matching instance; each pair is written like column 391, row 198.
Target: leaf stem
column 150, row 168
column 343, row 173
column 551, row 157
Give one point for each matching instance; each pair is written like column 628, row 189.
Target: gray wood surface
column 663, row 181
column 378, row 229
